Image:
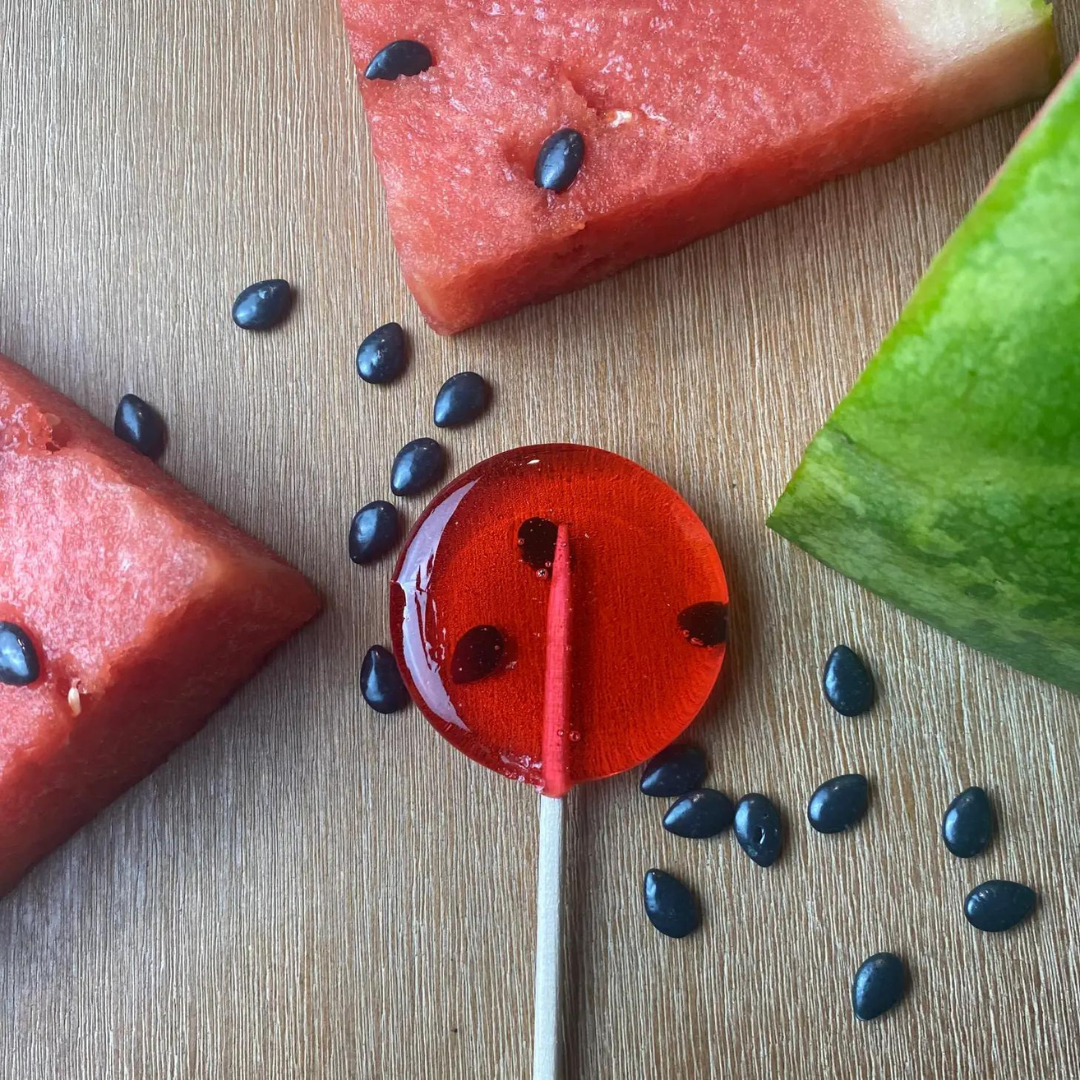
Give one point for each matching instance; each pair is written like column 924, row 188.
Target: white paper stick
column 547, row 1008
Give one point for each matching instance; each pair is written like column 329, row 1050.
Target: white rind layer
column 946, row 31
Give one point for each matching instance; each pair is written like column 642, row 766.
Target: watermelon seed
column 74, row 700
column 968, row 825
column 758, row 829
column 140, row 425
column 559, row 160
column 670, row 906
column 536, row 544
column 19, row 665
column 847, row 682
column 462, row 399
column 375, row 531
column 480, row 652
column 264, row 305
column 878, row 986
column 418, row 465
column 382, row 354
column 381, row 682
column 399, row 58
column 705, row 624
column 674, row 771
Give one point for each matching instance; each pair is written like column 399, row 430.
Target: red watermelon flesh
column 147, row 609
column 695, row 115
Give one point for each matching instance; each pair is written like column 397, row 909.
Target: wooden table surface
column 308, row 891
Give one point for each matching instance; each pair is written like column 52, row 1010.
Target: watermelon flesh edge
column 147, row 608
column 693, row 120
column 948, row 480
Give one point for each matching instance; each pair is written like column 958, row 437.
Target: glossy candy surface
column 640, row 556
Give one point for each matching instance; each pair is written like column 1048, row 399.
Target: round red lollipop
column 647, row 620
column 559, row 614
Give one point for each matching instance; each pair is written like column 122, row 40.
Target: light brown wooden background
column 308, row 891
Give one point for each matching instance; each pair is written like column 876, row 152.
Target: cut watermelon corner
column 693, row 119
column 147, row 609
column 948, row 479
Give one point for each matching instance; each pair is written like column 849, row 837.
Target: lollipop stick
column 548, row 1000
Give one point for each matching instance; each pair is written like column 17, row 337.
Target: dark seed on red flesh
column 559, row 160
column 536, row 543
column 402, row 57
column 480, row 652
column 140, row 425
column 19, row 665
column 704, row 624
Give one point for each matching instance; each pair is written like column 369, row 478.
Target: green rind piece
column 948, row 480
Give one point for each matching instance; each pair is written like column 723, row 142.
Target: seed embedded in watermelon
column 948, row 480
column 145, row 607
column 693, row 116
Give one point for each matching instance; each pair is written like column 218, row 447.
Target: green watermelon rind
column 948, row 480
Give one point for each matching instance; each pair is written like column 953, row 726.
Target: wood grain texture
column 310, row 892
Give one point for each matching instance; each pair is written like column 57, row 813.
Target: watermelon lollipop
column 559, row 614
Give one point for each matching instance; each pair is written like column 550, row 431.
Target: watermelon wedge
column 694, row 116
column 948, row 480
column 145, row 608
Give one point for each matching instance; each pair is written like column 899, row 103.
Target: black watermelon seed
column 704, row 624
column 758, row 829
column 995, row 906
column 559, row 160
column 878, row 986
column 536, row 543
column 700, row 814
column 19, row 665
column 374, row 532
column 417, row 466
column 839, row 803
column 462, row 399
column 847, row 682
column 968, row 824
column 670, row 905
column 264, row 305
column 381, row 682
column 382, row 354
column 140, row 425
column 480, row 651
column 399, row 58
column 674, row 771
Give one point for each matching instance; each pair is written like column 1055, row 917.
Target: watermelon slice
column 145, row 607
column 948, row 480
column 694, row 116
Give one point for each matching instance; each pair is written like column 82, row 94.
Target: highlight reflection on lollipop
column 559, row 614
